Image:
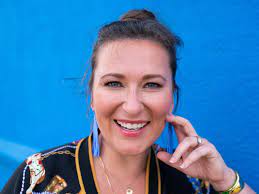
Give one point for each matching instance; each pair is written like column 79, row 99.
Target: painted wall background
column 45, row 48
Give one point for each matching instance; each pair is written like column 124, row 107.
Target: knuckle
column 212, row 147
column 185, row 141
column 177, row 152
column 199, row 151
column 188, row 139
column 188, row 161
column 186, row 122
column 205, row 140
column 202, row 150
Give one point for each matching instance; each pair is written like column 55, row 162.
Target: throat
column 109, row 182
column 123, row 166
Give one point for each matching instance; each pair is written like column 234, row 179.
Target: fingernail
column 182, row 166
column 172, row 160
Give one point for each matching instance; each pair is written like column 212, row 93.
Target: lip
column 133, row 122
column 131, row 133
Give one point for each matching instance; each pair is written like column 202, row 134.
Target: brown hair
column 138, row 24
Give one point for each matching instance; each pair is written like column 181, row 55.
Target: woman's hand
column 197, row 159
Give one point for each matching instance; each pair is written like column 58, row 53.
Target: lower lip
column 133, row 133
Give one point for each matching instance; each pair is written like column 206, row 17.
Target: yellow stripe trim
column 158, row 175
column 79, row 175
column 147, row 173
column 78, row 168
column 92, row 163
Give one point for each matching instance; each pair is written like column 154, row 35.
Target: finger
column 169, row 117
column 183, row 123
column 180, row 134
column 183, row 147
column 165, row 157
column 197, row 154
column 182, row 127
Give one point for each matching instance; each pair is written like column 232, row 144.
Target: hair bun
column 142, row 14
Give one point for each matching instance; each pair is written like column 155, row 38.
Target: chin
column 132, row 150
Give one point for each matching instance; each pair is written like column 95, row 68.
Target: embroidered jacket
column 69, row 169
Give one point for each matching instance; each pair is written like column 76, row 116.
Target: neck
column 123, row 166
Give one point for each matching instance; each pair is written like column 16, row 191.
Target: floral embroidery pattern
column 37, row 171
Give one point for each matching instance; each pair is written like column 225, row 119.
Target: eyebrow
column 147, row 76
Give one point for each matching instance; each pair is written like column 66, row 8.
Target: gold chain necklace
column 129, row 190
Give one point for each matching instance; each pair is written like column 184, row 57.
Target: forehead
column 133, row 56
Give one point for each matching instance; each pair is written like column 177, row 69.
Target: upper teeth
column 132, row 126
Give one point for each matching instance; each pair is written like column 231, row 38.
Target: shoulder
column 54, row 155
column 40, row 170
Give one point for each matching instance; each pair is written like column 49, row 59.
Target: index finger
column 183, row 123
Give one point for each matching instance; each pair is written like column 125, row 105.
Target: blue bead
column 96, row 146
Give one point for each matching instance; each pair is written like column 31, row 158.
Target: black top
column 69, row 169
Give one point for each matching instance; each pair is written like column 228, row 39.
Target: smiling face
column 132, row 94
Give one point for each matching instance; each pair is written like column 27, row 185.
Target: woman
column 132, row 86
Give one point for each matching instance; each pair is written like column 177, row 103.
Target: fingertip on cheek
column 173, row 117
column 169, row 117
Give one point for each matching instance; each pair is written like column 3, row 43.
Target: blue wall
column 43, row 44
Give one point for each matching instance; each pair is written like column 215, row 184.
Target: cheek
column 105, row 103
column 159, row 104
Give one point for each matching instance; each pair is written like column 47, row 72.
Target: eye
column 152, row 85
column 115, row 84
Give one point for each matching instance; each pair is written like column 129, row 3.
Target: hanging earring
column 170, row 142
column 96, row 146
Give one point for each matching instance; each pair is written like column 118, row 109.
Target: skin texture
column 131, row 97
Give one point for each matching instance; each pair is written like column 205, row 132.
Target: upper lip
column 130, row 121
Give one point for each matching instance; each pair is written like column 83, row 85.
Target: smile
column 131, row 126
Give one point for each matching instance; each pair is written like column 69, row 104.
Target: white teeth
column 132, row 126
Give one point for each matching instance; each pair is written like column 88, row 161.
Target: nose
column 133, row 104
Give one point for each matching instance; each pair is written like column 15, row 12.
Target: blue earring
column 170, row 143
column 96, row 146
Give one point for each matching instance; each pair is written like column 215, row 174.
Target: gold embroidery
column 78, row 168
column 56, row 185
column 58, row 152
column 81, row 192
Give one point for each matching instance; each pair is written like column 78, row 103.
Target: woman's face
column 132, row 94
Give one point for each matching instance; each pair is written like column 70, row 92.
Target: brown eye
column 113, row 84
column 152, row 85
